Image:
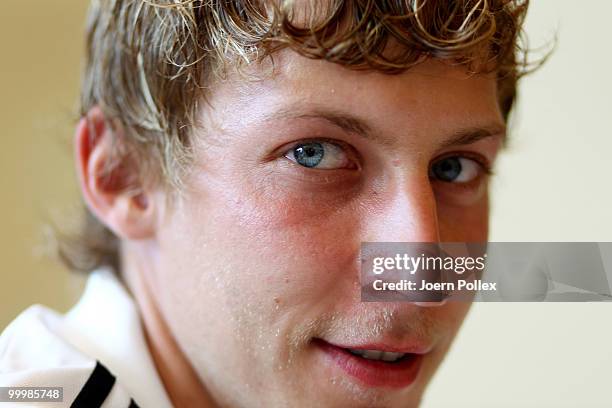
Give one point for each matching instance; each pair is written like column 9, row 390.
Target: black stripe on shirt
column 96, row 388
column 133, row 404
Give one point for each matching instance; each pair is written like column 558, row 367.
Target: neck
column 180, row 380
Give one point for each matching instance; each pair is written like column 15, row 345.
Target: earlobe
column 110, row 180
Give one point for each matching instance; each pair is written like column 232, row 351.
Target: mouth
column 374, row 365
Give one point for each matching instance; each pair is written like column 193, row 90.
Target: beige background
column 39, row 79
column 553, row 184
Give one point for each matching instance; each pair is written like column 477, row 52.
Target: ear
column 110, row 182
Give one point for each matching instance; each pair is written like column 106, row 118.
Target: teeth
column 390, row 356
column 378, row 355
column 372, row 354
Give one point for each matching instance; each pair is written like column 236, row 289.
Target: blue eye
column 455, row 169
column 309, row 155
column 320, row 155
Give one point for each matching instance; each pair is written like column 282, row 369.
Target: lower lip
column 374, row 373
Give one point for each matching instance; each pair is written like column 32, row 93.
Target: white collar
column 105, row 324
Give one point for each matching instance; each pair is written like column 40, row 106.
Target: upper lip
column 412, row 348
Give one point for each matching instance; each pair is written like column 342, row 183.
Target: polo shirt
column 96, row 351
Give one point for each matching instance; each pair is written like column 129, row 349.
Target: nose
column 405, row 211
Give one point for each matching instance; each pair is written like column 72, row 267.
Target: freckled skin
column 260, row 255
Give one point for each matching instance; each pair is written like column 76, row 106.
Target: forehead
column 434, row 93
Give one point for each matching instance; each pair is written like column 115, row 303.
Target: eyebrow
column 352, row 124
column 474, row 134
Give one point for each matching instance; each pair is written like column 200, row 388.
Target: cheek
column 450, row 317
column 469, row 223
column 305, row 244
column 256, row 265
column 267, row 247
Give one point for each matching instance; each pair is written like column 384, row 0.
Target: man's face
column 256, row 267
